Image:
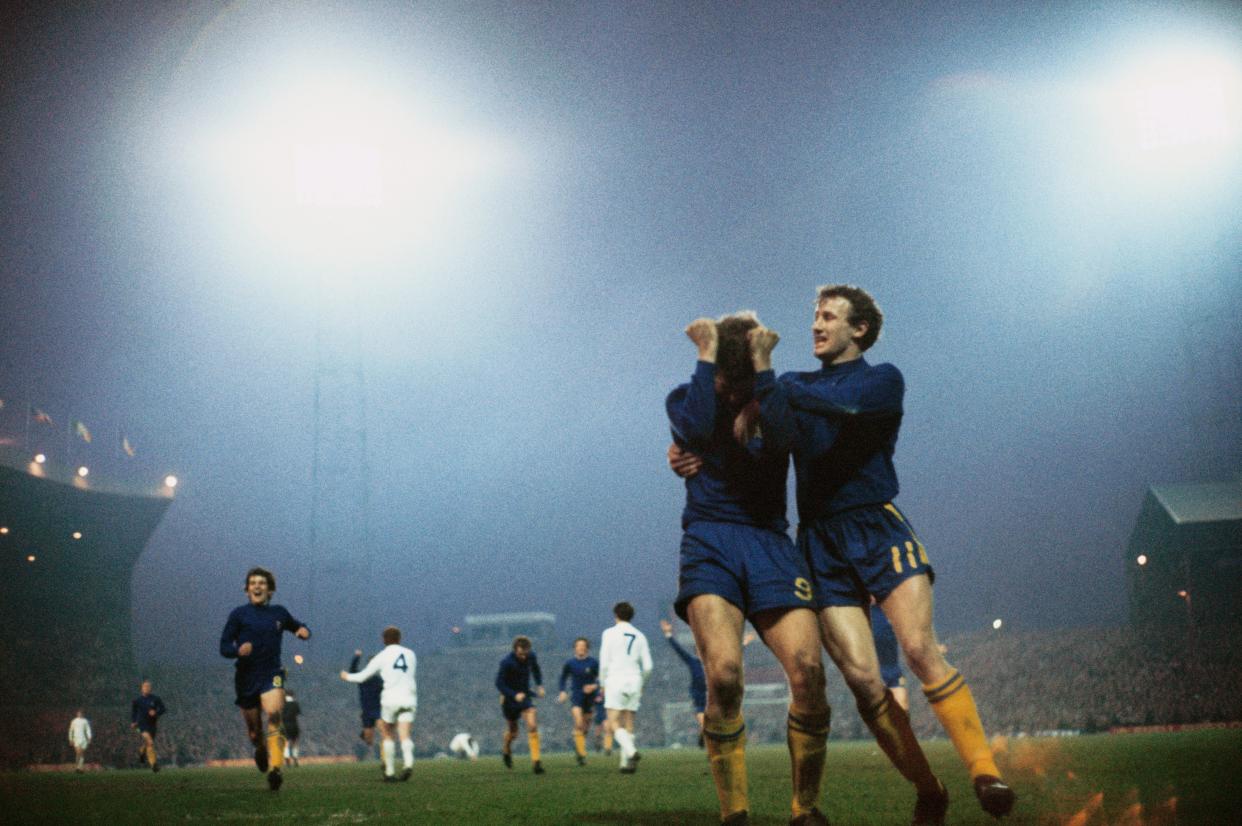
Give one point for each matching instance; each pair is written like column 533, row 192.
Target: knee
column 807, row 683
column 925, row 660
column 867, row 687
column 724, row 684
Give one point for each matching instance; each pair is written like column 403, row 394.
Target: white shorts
column 81, row 744
column 624, row 693
column 397, row 714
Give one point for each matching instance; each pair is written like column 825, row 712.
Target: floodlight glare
column 77, row 534
column 1173, row 111
column 170, row 481
column 40, row 458
column 1142, row 559
column 341, row 167
column 996, row 624
column 4, row 530
column 83, row 471
column 30, row 558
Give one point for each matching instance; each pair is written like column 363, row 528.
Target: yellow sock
column 955, row 707
column 608, row 740
column 890, row 725
column 579, row 743
column 807, row 735
column 275, row 747
column 532, row 737
column 151, row 754
column 726, row 752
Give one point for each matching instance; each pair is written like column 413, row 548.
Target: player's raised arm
column 373, row 668
column 775, row 411
column 691, row 408
column 685, row 655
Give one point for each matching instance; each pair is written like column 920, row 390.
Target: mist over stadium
column 393, row 294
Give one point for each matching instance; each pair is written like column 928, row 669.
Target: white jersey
column 80, row 731
column 464, row 745
column 395, row 665
column 623, row 654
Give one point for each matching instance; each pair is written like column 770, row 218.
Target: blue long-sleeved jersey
column 580, row 672
column 514, row 676
column 698, row 679
column 841, row 422
column 261, row 626
column 368, row 691
column 740, row 484
column 140, row 710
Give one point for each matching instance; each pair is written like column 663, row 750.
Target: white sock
column 626, row 741
column 390, row 752
column 407, row 753
column 287, row 753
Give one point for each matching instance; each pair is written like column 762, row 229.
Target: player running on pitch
column 513, row 680
column 252, row 637
column 581, row 674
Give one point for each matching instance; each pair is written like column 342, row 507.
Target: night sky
column 1065, row 312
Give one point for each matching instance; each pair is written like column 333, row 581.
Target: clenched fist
column 762, row 342
column 702, row 331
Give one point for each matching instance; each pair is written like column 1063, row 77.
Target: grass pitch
column 1183, row 778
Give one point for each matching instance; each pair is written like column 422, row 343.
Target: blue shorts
column 698, row 699
column 601, row 714
column 586, row 702
column 250, row 685
column 756, row 569
column 512, row 710
column 886, row 648
column 860, row 553
column 369, row 716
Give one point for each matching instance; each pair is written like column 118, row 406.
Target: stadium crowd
column 1027, row 682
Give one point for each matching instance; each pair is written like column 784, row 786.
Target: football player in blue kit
column 581, row 674
column 513, row 681
column 737, row 563
column 252, row 636
column 144, row 716
column 698, row 678
column 369, row 701
column 841, row 424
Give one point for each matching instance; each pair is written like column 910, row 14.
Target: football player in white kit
column 79, row 738
column 398, row 701
column 465, row 747
column 624, row 665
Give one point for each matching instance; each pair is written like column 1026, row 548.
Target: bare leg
column 793, row 636
column 846, row 631
column 717, row 625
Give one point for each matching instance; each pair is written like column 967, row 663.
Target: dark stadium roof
column 1201, row 502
